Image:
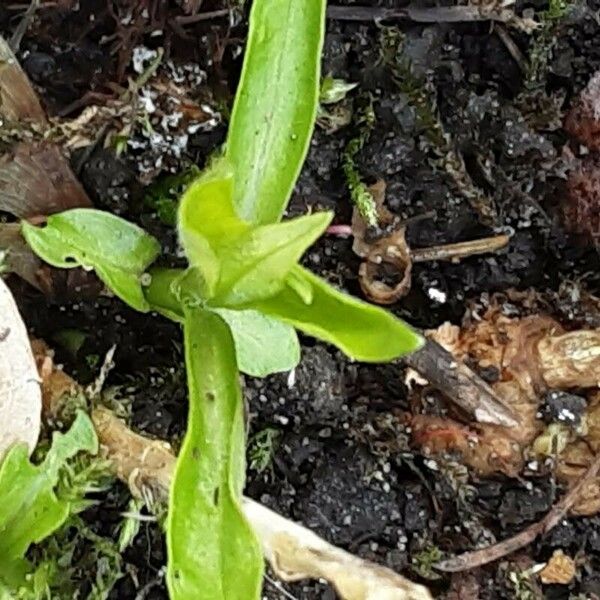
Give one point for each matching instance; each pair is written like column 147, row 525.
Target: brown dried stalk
column 437, row 14
column 477, row 558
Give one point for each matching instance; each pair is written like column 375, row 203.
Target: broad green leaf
column 212, row 551
column 119, row 251
column 275, row 106
column 263, row 345
column 362, row 331
column 29, row 508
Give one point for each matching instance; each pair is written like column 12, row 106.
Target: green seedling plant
column 241, row 297
column 33, row 507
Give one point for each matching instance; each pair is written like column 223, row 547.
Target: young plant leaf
column 213, row 552
column 238, row 262
column 362, row 331
column 207, row 219
column 256, row 266
column 263, row 345
column 275, row 106
column 117, row 250
column 29, row 509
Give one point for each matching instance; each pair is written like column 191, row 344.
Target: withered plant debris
column 293, row 551
column 531, row 357
column 18, row 99
column 477, row 558
column 583, row 120
column 385, row 274
column 20, row 395
column 36, row 180
column 461, row 385
column 560, row 569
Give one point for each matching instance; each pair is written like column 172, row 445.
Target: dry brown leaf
column 559, row 569
column 36, row 180
column 18, row 100
column 20, row 394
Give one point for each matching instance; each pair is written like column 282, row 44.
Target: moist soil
column 328, row 442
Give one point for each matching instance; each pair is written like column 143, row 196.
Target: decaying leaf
column 18, row 100
column 20, row 394
column 18, row 257
column 36, row 180
column 559, row 569
column 385, row 274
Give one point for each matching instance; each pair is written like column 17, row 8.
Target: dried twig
column 460, row 250
column 23, row 25
column 477, row 558
column 464, row 387
column 436, row 14
column 205, row 16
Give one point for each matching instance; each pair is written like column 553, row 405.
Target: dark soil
column 341, row 461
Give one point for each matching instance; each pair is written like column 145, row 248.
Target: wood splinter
column 460, row 384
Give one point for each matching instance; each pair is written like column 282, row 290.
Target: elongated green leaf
column 29, row 508
column 257, row 264
column 207, row 220
column 119, row 251
column 212, row 551
column 362, row 331
column 275, row 106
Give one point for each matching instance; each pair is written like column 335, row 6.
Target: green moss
column 544, row 42
column 261, row 448
column 359, row 194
